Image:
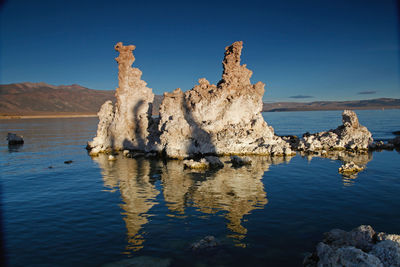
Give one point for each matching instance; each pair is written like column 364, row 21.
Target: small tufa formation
column 349, row 136
column 209, row 162
column 126, row 125
column 219, row 119
column 361, row 246
column 350, row 168
column 14, row 139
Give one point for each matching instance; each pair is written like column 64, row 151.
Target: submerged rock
column 351, row 135
column 205, row 243
column 208, row 119
column 14, row 139
column 361, row 246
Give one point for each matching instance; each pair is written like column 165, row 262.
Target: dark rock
column 14, row 139
column 68, row 162
column 238, row 161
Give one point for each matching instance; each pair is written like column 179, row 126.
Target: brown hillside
column 45, row 99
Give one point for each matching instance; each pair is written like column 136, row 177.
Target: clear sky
column 302, row 50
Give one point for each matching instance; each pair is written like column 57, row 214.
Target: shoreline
column 60, row 116
column 12, row 117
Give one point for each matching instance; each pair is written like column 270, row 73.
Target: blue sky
column 302, row 50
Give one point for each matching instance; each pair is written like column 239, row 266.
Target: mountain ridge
column 28, row 98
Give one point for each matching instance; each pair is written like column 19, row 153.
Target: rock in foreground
column 349, row 136
column 361, row 246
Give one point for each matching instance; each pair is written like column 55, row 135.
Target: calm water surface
column 94, row 212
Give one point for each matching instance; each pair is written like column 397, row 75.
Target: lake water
column 94, row 212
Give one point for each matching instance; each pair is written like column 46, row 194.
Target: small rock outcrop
column 350, row 168
column 126, row 125
column 361, row 246
column 349, row 136
column 219, row 119
column 14, row 139
column 209, row 162
column 238, row 161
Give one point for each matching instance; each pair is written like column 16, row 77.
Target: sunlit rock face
column 219, row 119
column 350, row 136
column 126, row 126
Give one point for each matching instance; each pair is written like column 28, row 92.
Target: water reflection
column 138, row 192
column 230, row 192
column 233, row 191
column 361, row 159
column 15, row 148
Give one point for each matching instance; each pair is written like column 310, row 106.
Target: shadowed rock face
column 208, row 119
column 126, row 126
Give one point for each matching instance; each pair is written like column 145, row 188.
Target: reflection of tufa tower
column 133, row 179
column 235, row 191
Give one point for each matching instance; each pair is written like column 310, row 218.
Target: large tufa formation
column 126, row 126
column 349, row 136
column 208, row 119
column 219, row 119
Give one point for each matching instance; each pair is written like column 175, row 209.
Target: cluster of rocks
column 389, row 145
column 351, row 135
column 350, row 168
column 361, row 246
column 208, row 119
column 213, row 162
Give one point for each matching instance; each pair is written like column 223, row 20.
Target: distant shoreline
column 11, row 117
column 60, row 116
column 327, row 109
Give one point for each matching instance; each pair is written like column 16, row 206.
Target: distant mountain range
column 45, row 99
column 36, row 99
